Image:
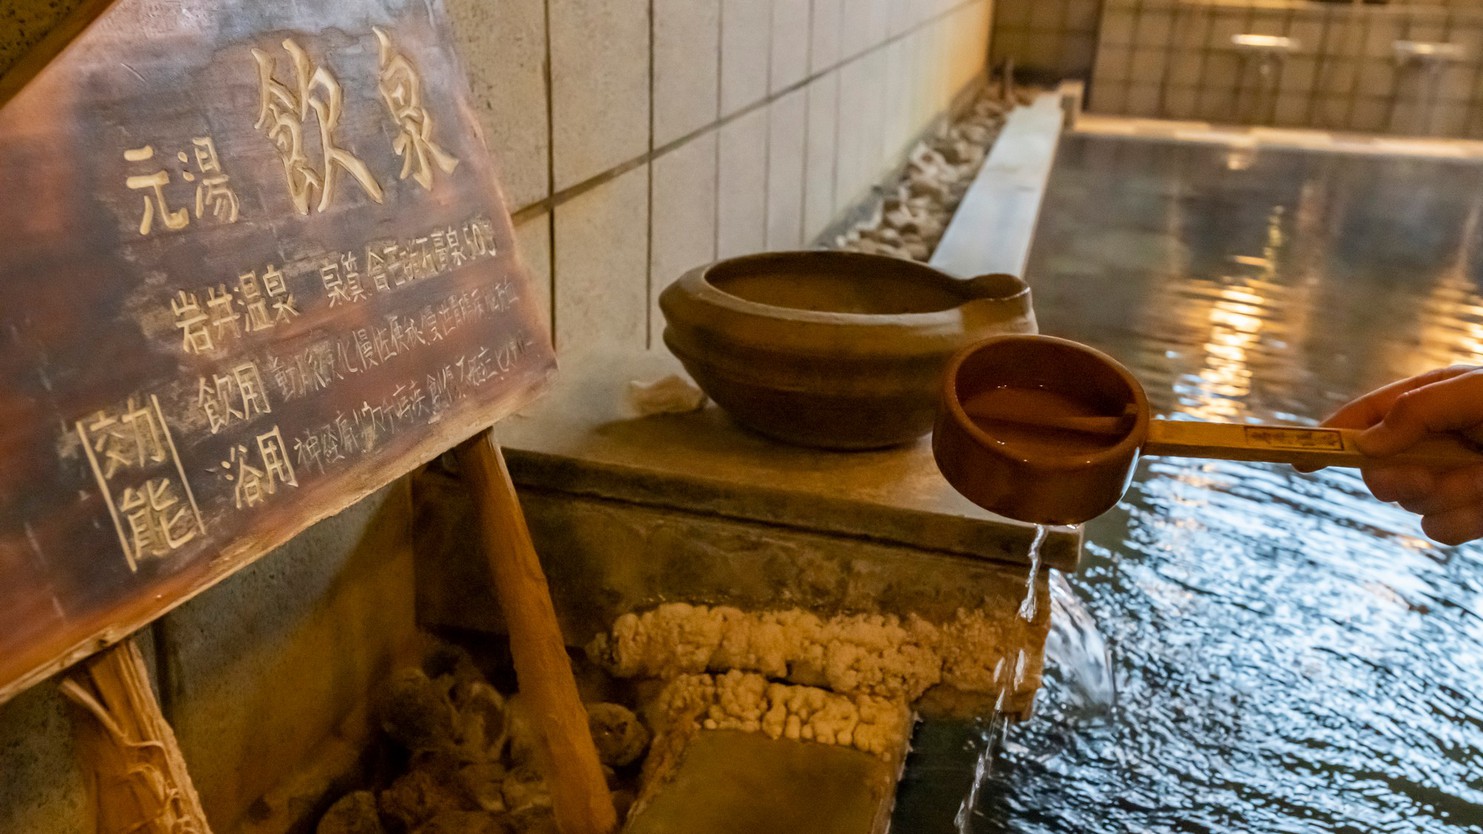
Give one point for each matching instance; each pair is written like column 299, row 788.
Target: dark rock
column 481, row 720
column 353, row 813
column 525, row 787
column 465, row 822
column 484, row 783
column 420, row 795
column 533, row 821
column 621, row 740
column 416, row 712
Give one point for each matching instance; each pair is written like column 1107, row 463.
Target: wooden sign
column 254, row 265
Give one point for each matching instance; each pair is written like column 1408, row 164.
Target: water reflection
column 1287, row 653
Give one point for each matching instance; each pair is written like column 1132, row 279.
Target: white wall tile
column 741, row 213
column 600, row 86
column 1047, row 15
column 533, row 239
column 785, row 165
column 899, row 16
column 1156, row 27
column 819, row 157
column 601, row 266
column 960, row 46
column 687, row 66
column 1115, row 62
column 1117, row 27
column 856, row 33
column 746, row 30
column 1148, row 65
column 918, row 46
column 896, row 127
column 941, row 80
column 874, row 116
column 824, row 34
column 1179, row 103
column 1081, row 15
column 790, row 42
column 856, row 135
column 684, row 217
column 504, row 48
column 1143, row 100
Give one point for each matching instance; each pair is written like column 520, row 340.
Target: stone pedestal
column 629, row 511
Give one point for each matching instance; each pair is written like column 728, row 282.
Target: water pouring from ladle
column 1048, row 431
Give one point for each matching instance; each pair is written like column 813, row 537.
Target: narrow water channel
column 1286, row 654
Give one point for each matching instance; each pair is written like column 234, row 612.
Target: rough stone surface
column 621, row 740
column 266, row 666
column 583, row 437
column 353, row 813
column 43, row 789
column 810, row 787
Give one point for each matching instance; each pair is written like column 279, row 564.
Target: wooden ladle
column 1048, row 431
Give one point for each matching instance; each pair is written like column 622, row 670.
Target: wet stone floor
column 1284, row 653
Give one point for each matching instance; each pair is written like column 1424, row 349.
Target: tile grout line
column 720, row 75
column 550, row 162
column 772, row 13
column 838, row 94
column 649, row 218
column 808, row 60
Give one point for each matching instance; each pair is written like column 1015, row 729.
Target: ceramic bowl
column 834, row 350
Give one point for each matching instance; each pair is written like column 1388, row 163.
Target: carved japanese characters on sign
column 285, row 280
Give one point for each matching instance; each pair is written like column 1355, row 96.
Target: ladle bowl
column 1045, row 475
column 1048, row 431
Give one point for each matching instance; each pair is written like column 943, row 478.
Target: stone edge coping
column 582, row 439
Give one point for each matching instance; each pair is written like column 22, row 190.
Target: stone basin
column 834, row 350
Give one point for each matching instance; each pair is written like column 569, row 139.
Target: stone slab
column 584, row 439
column 995, row 224
column 743, row 783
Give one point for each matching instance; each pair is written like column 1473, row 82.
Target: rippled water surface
column 1286, row 654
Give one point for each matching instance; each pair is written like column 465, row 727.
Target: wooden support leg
column 138, row 774
column 579, row 793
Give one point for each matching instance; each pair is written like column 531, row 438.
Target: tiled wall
column 1046, row 39
column 1173, row 59
column 679, row 131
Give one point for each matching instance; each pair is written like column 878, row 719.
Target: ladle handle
column 1297, row 445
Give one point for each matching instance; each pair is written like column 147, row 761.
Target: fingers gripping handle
column 1297, row 445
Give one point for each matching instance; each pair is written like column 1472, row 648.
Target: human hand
column 1394, row 418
